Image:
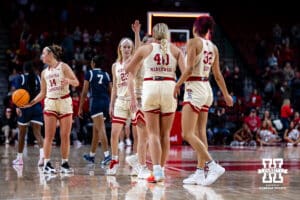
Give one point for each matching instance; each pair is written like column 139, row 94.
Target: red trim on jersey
column 119, row 120
column 159, row 78
column 51, row 113
column 197, row 78
column 63, row 97
column 65, row 115
column 194, row 108
column 166, row 114
column 139, row 116
column 155, row 111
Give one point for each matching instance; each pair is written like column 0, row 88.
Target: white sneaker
column 66, row 169
column 41, row 162
column 158, row 176
column 144, row 172
column 113, row 167
column 18, row 161
column 214, row 172
column 48, row 169
column 132, row 160
column 195, row 178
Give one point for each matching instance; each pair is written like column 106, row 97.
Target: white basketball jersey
column 53, row 77
column 121, row 80
column 156, row 65
column 204, row 59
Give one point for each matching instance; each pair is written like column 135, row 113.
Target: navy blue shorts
column 33, row 114
column 99, row 107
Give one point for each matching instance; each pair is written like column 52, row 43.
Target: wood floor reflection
column 240, row 181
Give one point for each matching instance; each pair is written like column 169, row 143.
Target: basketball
column 20, row 97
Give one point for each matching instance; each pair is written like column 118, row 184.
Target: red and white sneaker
column 113, row 167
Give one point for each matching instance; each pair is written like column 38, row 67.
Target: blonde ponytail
column 164, row 48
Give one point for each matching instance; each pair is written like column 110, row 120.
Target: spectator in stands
column 9, row 126
column 272, row 60
column 292, row 134
column 253, row 122
column 243, row 136
column 237, row 82
column 219, row 129
column 97, row 38
column 286, row 53
column 77, row 36
column 266, row 116
column 296, row 118
column 86, row 37
column 288, row 72
column 267, row 134
column 286, row 112
column 255, row 100
column 269, row 90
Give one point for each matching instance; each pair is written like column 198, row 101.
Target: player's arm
column 191, row 61
column 220, row 79
column 136, row 28
column 70, row 77
column 113, row 95
column 134, row 64
column 84, row 92
column 188, row 69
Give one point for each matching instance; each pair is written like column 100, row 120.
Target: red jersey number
column 158, row 58
column 208, row 57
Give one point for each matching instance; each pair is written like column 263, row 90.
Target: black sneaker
column 48, row 169
column 65, row 168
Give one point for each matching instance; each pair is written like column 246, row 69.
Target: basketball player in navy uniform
column 32, row 116
column 99, row 83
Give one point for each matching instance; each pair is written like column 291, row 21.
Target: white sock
column 106, row 153
column 63, row 161
column 92, row 154
column 20, row 155
column 41, row 152
column 115, row 157
column 156, row 167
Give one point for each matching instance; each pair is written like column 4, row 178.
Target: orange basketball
column 20, row 97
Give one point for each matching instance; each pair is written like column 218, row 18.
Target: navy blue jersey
column 99, row 83
column 22, row 81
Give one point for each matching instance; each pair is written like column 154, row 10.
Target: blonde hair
column 121, row 43
column 161, row 33
column 286, row 102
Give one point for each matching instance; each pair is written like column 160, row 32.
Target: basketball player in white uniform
column 120, row 100
column 138, row 161
column 202, row 57
column 160, row 61
column 55, row 82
